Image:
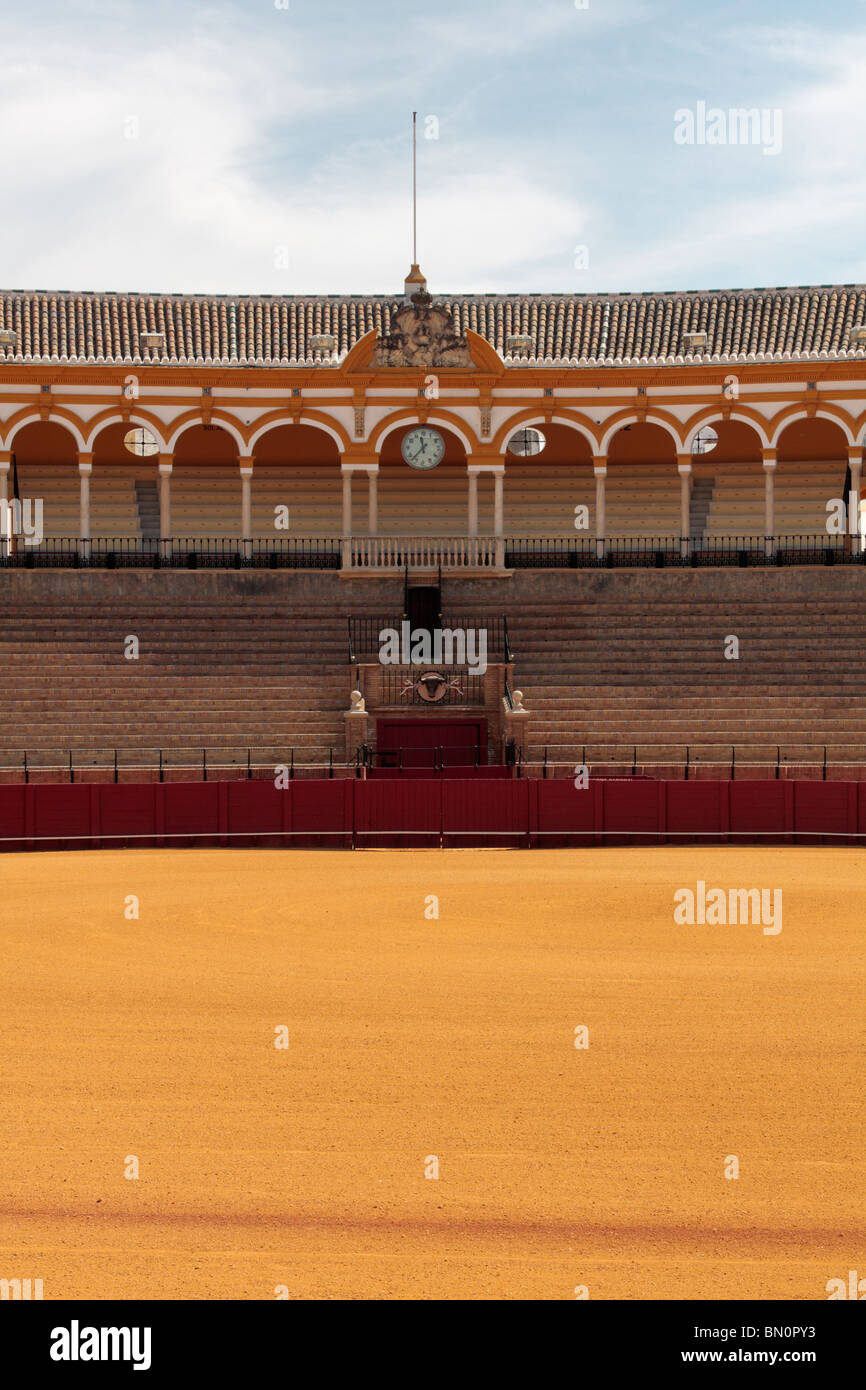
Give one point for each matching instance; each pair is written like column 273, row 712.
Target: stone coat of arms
column 422, row 335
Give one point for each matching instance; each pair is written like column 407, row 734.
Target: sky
column 564, row 146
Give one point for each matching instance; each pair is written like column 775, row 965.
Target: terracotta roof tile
column 271, row 330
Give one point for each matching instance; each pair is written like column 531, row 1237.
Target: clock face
column 423, row 447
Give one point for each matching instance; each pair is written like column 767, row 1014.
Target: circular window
column 705, row 440
column 526, row 442
column 141, row 442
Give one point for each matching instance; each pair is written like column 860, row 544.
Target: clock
column 423, row 447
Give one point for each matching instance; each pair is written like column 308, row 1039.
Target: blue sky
column 249, row 148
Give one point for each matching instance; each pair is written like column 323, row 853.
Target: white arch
column 732, row 415
column 539, row 422
column 302, row 420
column 805, row 415
column 637, row 420
column 431, row 420
column 132, row 419
column 221, row 424
column 52, row 419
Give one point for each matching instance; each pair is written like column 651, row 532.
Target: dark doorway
column 423, row 603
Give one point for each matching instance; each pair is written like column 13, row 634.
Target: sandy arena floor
column 412, row 1039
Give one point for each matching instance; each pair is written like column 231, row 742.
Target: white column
column 347, row 503
column 246, row 467
column 599, row 468
column 855, row 463
column 472, row 527
column 5, row 466
column 85, row 468
column 684, row 468
column 373, row 500
column 165, row 466
column 769, row 500
column 499, row 514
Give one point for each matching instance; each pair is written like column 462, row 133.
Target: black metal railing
column 365, row 642
column 674, row 552
column 162, row 764
column 192, row 763
column 690, row 761
column 536, row 552
column 429, row 757
column 182, row 552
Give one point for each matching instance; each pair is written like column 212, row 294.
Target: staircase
column 702, row 497
column 147, row 501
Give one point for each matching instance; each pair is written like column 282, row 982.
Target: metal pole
column 414, row 189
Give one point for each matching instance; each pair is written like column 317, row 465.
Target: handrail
column 509, row 654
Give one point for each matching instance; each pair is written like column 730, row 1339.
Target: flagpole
column 414, row 189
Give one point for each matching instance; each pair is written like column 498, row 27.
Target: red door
column 431, row 743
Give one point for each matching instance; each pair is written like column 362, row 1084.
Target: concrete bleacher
column 801, row 490
column 218, row 675
column 113, row 507
column 313, row 495
column 540, row 500
column 642, row 499
column 624, row 671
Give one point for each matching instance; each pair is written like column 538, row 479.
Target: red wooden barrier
column 485, row 808
column 455, row 813
column 398, row 815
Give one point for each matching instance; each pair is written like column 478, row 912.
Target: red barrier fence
column 522, row 813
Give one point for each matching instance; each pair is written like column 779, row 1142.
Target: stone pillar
column 855, row 526
column 599, row 468
column 515, row 724
column 246, row 466
column 166, row 462
column 499, row 501
column 373, row 500
column 355, row 722
column 684, row 468
column 472, row 527
column 769, row 456
column 5, row 516
column 85, row 468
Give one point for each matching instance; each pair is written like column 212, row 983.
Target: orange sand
column 410, row 1038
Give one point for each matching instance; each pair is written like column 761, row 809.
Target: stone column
column 85, row 468
column 769, row 456
column 245, row 463
column 5, row 515
column 599, row 468
column 472, row 527
column 373, row 499
column 855, row 526
column 166, row 462
column 499, row 513
column 684, row 468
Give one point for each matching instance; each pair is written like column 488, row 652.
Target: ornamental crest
column 422, row 335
